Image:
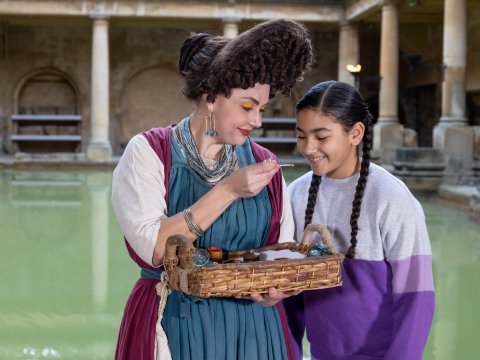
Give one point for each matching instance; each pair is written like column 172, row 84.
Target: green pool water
column 65, row 274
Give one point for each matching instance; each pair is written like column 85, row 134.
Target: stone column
column 388, row 133
column 454, row 63
column 230, row 28
column 99, row 147
column 348, row 52
column 452, row 135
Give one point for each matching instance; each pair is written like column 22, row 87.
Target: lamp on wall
column 355, row 71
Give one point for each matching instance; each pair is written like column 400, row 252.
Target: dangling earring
column 210, row 124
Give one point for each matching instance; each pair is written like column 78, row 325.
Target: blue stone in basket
column 319, row 249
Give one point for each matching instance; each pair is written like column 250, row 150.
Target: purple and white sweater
column 385, row 307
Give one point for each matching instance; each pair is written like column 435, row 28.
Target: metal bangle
column 191, row 223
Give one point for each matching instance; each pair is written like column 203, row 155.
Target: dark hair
column 344, row 105
column 275, row 52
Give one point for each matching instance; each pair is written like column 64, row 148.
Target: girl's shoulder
column 384, row 181
column 389, row 189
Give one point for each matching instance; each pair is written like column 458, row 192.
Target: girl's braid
column 362, row 181
column 312, row 199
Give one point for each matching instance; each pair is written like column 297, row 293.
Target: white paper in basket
column 280, row 254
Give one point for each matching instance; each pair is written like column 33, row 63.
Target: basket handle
column 178, row 252
column 324, row 234
column 178, row 261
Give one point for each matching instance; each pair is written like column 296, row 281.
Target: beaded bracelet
column 191, row 223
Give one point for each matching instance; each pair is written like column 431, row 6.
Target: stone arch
column 152, row 97
column 46, row 91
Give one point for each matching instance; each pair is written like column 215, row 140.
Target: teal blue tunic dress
column 221, row 328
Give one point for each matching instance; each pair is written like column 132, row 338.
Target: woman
column 205, row 179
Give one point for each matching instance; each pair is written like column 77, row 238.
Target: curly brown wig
column 276, row 52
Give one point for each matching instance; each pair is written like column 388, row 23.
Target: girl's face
column 238, row 114
column 329, row 149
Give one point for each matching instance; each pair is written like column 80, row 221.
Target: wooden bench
column 29, row 119
column 25, row 137
column 275, row 141
column 41, row 140
column 282, row 121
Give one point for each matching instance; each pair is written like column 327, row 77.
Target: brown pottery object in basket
column 243, row 279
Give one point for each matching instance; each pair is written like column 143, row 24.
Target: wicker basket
column 243, row 279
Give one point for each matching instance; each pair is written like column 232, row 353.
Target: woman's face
column 329, row 149
column 237, row 115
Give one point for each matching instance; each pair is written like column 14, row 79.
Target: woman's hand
column 272, row 297
column 250, row 180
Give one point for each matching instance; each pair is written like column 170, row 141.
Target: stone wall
column 34, row 50
column 145, row 87
column 145, row 84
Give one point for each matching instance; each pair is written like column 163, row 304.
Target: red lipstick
column 244, row 132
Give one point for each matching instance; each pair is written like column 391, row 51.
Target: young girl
column 385, row 307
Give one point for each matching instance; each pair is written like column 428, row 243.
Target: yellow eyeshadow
column 248, row 105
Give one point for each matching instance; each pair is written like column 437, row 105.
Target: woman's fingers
column 248, row 181
column 261, row 174
column 271, row 298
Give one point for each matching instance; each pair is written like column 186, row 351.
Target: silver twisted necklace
column 226, row 162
